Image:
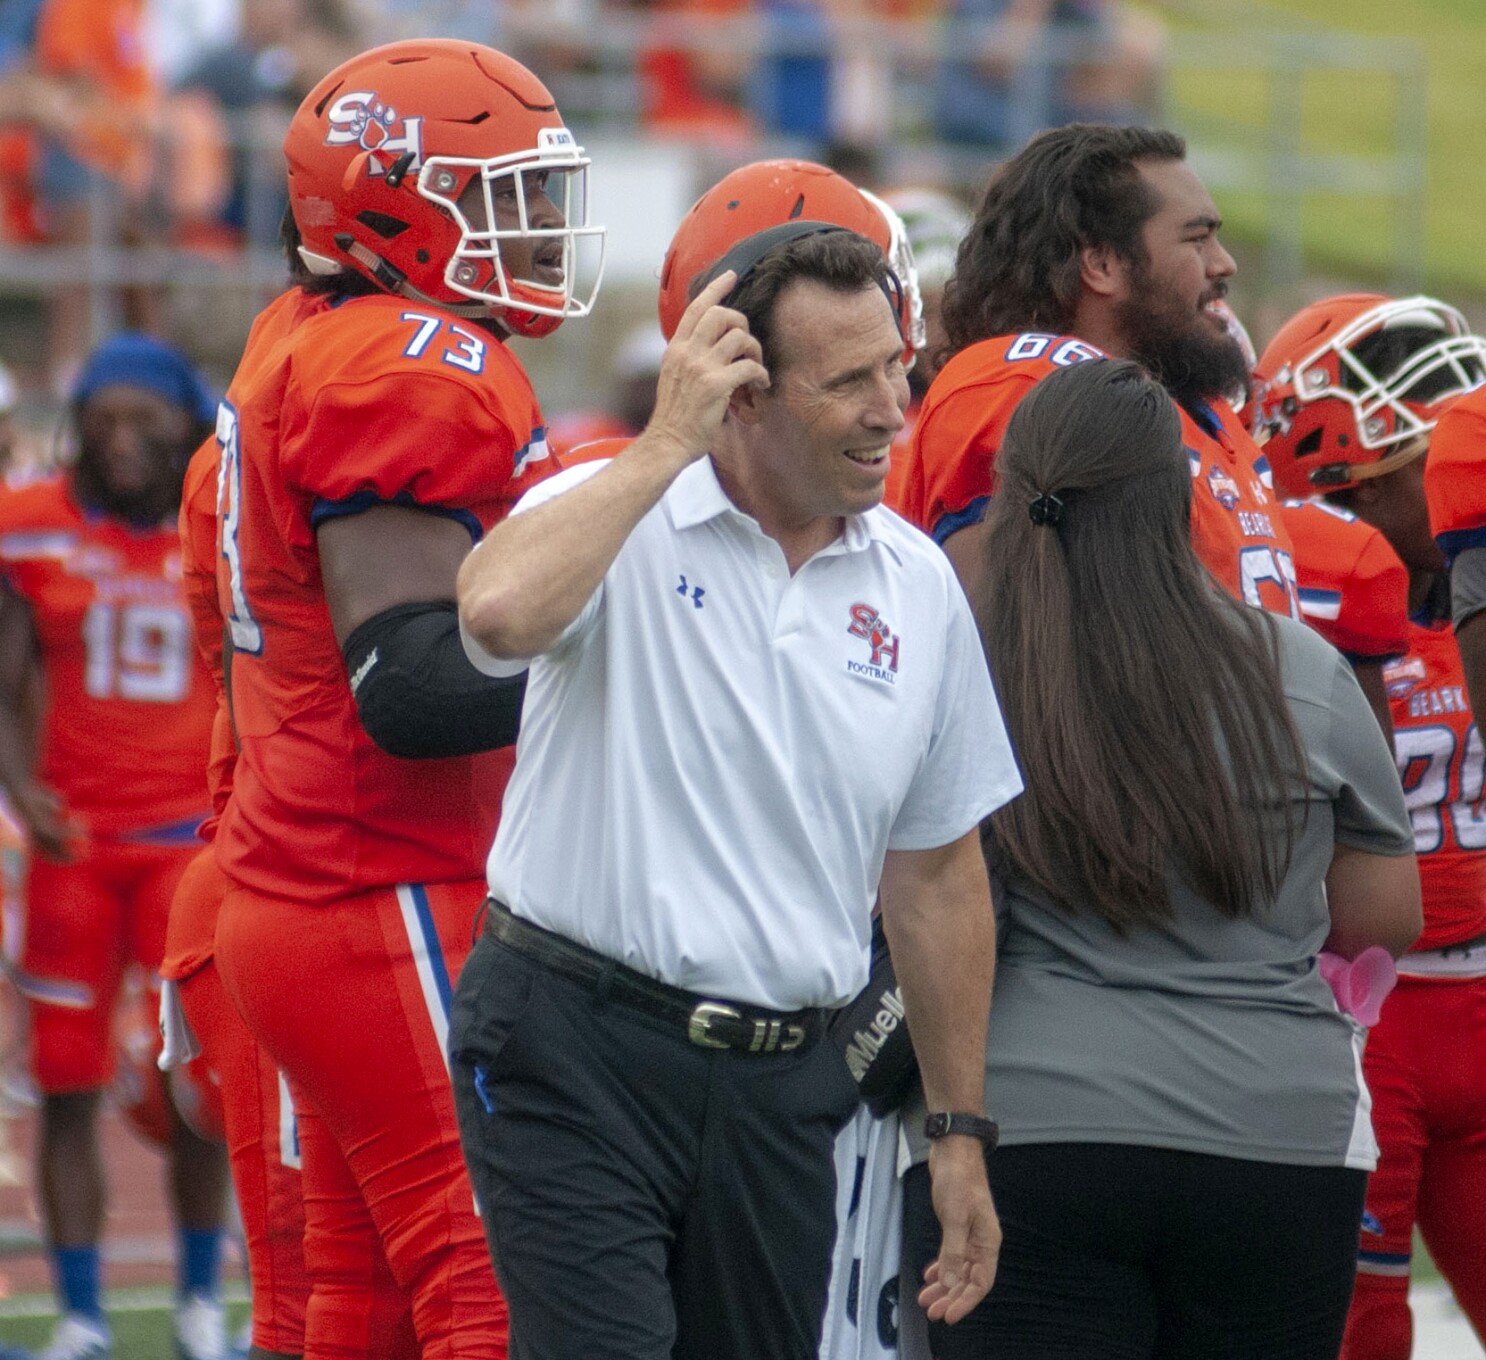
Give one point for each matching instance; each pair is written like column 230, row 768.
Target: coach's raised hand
column 530, row 577
column 711, row 355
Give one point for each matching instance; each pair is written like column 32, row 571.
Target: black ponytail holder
column 1045, row 510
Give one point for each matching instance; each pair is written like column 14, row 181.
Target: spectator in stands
column 1184, row 1132
column 693, row 71
column 179, row 32
column 1040, row 63
column 230, row 111
column 80, row 88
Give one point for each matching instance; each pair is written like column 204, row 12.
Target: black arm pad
column 417, row 693
column 873, row 1036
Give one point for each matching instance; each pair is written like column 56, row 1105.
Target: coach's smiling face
column 818, row 438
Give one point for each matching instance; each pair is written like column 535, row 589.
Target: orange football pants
column 351, row 1000
column 1425, row 1064
column 85, row 923
column 262, row 1140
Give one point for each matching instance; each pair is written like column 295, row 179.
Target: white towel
column 181, row 1043
column 863, row 1309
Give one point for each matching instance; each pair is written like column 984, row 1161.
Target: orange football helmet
column 1351, row 387
column 143, row 1093
column 381, row 153
column 767, row 194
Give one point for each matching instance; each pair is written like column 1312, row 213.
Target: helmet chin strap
column 1348, row 474
column 392, row 279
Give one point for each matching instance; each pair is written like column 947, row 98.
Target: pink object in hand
column 1360, row 985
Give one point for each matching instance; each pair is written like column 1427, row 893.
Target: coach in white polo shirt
column 756, row 702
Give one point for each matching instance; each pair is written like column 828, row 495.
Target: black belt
column 706, row 1022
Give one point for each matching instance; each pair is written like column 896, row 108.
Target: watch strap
column 945, row 1122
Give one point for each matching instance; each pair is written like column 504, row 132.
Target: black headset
column 746, row 255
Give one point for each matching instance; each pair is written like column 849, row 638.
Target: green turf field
column 140, row 1318
column 1351, row 113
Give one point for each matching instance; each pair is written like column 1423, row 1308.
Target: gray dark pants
column 644, row 1198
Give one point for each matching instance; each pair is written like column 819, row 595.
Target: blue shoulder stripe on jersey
column 1385, row 1258
column 1317, row 603
column 1458, row 540
column 365, row 500
column 956, row 520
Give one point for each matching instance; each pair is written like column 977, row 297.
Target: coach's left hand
column 971, row 1243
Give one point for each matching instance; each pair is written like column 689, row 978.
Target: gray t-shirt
column 1208, row 1035
column 1468, row 585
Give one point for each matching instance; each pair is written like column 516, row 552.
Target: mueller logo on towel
column 867, row 1043
column 867, row 624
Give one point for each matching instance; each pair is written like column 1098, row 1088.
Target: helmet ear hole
column 1309, row 445
column 384, row 224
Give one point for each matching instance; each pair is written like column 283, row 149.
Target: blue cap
column 131, row 359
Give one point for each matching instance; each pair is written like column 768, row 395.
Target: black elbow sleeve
column 416, row 692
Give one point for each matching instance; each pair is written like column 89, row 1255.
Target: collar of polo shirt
column 697, row 496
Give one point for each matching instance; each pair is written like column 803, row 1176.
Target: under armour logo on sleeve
column 696, row 592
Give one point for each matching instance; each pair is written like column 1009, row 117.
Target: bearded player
column 433, row 189
column 1096, row 241
column 1352, row 389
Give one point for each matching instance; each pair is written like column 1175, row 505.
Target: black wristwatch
column 972, row 1125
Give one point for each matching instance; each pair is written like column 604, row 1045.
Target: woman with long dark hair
column 1184, row 1128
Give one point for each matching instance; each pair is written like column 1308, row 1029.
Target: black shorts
column 1114, row 1252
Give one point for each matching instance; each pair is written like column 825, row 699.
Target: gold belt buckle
column 698, row 1027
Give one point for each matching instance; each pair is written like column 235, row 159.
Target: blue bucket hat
column 135, row 360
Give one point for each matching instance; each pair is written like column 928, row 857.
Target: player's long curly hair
column 1144, row 702
column 1069, row 188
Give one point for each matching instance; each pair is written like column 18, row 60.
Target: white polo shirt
column 716, row 755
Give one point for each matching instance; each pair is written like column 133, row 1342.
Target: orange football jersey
column 1353, row 589
column 191, row 931
column 900, row 455
column 129, row 704
column 1455, row 475
column 568, row 432
column 372, row 401
column 951, row 472
column 1443, row 766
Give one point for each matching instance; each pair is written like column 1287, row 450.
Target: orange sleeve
column 951, row 462
column 391, row 413
column 199, row 554
column 1455, row 476
column 1353, row 588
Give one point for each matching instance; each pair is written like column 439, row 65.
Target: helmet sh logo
column 362, row 119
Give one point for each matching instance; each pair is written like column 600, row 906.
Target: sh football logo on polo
column 362, row 118
column 867, row 624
